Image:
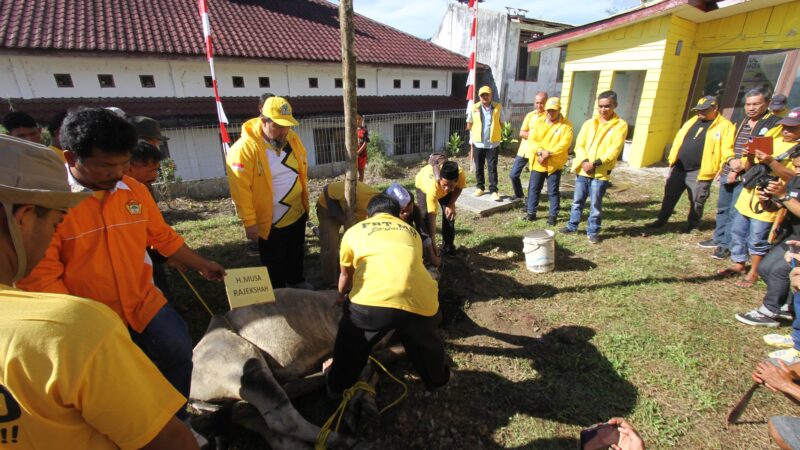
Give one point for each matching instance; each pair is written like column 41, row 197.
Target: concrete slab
column 484, row 205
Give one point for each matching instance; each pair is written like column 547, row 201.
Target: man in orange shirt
column 99, row 251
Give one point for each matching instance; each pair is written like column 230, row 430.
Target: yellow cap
column 485, row 90
column 278, row 110
column 553, row 103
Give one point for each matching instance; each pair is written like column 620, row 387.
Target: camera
column 763, row 181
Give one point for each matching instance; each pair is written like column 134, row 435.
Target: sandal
column 730, row 272
column 745, row 283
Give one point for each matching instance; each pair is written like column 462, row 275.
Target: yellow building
column 663, row 56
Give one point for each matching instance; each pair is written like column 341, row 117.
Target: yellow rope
column 211, row 313
column 348, row 394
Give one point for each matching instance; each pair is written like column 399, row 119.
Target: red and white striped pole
column 473, row 47
column 223, row 119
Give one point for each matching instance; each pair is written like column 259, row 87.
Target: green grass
column 636, row 326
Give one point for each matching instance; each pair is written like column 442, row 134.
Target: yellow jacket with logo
column 477, row 125
column 555, row 138
column 250, row 179
column 601, row 141
column 718, row 148
column 527, row 125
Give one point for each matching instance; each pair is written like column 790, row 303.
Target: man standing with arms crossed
column 523, row 156
column 485, row 123
column 703, row 144
column 597, row 148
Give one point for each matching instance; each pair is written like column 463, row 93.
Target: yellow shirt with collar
column 386, row 254
column 426, row 182
column 528, row 124
column 747, row 203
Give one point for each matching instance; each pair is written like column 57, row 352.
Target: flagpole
column 223, row 119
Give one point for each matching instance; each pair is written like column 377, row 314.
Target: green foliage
column 507, row 139
column 378, row 164
column 454, row 144
column 167, row 172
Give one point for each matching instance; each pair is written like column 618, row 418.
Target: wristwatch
column 783, row 199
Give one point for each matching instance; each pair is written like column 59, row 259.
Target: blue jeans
column 516, row 172
column 796, row 321
column 553, row 194
column 748, row 236
column 593, row 189
column 166, row 342
column 728, row 193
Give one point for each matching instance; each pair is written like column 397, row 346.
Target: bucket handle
column 535, row 247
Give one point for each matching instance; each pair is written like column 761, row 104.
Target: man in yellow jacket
column 548, row 144
column 268, row 177
column 485, row 124
column 703, row 144
column 597, row 148
column 525, row 130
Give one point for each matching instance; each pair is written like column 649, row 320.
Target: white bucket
column 540, row 249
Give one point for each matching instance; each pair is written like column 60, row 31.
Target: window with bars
column 329, row 145
column 412, row 138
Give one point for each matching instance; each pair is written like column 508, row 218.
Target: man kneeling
column 389, row 289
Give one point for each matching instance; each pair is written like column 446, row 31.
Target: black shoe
column 530, row 217
column 721, row 253
column 449, row 250
column 708, row 243
column 656, row 224
column 594, row 239
column 566, row 230
column 551, row 220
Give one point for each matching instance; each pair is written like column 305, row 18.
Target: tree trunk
column 349, row 85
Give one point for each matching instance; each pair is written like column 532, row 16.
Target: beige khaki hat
column 278, row 110
column 32, row 174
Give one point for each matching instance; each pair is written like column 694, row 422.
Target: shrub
column 378, row 164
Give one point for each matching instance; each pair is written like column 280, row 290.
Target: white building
column 502, row 45
column 148, row 58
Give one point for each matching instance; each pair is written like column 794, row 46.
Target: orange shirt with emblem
column 99, row 252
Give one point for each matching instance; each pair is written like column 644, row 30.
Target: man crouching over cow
column 389, row 289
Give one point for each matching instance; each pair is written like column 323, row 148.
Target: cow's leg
column 363, row 407
column 261, row 390
column 246, row 416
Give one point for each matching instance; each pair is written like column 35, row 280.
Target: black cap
column 778, row 102
column 147, row 128
column 792, row 119
column 706, row 102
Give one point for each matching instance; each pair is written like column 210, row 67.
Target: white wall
column 498, row 47
column 32, row 77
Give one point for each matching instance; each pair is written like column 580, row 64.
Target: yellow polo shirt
column 426, row 182
column 386, row 253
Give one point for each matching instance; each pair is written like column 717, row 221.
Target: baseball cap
column 32, row 174
column 792, row 119
column 485, row 90
column 399, row 193
column 553, row 103
column 778, row 102
column 706, row 102
column 278, row 110
column 147, row 128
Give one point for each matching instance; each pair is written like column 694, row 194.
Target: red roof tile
column 264, row 29
column 193, row 111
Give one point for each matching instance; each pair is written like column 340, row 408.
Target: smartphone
column 599, row 437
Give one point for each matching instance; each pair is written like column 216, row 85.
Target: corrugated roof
column 264, row 29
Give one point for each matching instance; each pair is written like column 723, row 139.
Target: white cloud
column 421, row 17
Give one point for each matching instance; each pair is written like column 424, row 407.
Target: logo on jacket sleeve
column 134, row 207
column 238, row 167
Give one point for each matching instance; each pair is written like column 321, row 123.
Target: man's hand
column 776, row 189
column 340, row 298
column 790, row 254
column 450, row 212
column 794, row 278
column 735, row 164
column 731, row 177
column 434, row 257
column 251, row 232
column 629, row 439
column 211, row 270
column 775, row 378
column 588, row 167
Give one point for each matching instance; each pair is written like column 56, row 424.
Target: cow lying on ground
column 273, row 344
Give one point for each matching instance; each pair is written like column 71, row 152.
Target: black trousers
column 775, row 272
column 282, row 253
column 486, row 156
column 679, row 181
column 448, row 226
column 362, row 327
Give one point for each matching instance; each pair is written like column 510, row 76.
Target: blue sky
column 421, row 17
